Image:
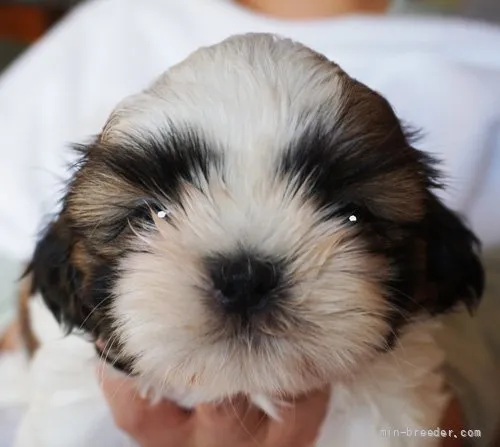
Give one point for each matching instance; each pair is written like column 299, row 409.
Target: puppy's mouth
column 253, row 326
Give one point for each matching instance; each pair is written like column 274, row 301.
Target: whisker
column 405, row 295
column 94, row 309
column 240, row 421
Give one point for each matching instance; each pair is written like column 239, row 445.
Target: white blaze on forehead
column 249, row 96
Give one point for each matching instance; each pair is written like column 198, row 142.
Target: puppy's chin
column 217, row 373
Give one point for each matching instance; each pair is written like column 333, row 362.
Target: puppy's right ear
column 55, row 276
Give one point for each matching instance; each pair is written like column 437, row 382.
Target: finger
column 10, row 340
column 134, row 414
column 236, row 417
column 238, row 408
column 301, row 420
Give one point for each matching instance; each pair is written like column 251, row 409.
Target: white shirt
column 441, row 76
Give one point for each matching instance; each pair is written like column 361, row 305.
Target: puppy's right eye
column 144, row 212
column 138, row 216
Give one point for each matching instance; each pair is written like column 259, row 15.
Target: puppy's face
column 256, row 221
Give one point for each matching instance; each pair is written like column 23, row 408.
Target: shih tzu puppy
column 258, row 222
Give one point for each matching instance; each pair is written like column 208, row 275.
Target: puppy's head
column 256, row 221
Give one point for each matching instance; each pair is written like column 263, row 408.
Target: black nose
column 244, row 284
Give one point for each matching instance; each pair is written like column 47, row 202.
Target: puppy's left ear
column 454, row 267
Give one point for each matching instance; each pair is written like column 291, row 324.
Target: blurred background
column 23, row 21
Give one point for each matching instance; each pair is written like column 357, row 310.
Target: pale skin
column 236, row 423
column 314, row 9
column 232, row 424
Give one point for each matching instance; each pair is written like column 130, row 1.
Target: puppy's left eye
column 348, row 213
column 354, row 216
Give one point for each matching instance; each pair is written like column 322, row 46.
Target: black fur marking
column 336, row 168
column 59, row 282
column 453, row 259
column 77, row 301
column 123, row 365
column 160, row 163
column 401, row 290
column 101, row 286
column 453, row 272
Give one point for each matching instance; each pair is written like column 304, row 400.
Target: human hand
column 232, row 424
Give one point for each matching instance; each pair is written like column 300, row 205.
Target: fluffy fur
column 258, row 222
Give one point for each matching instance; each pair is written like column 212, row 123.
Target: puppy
column 258, row 222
